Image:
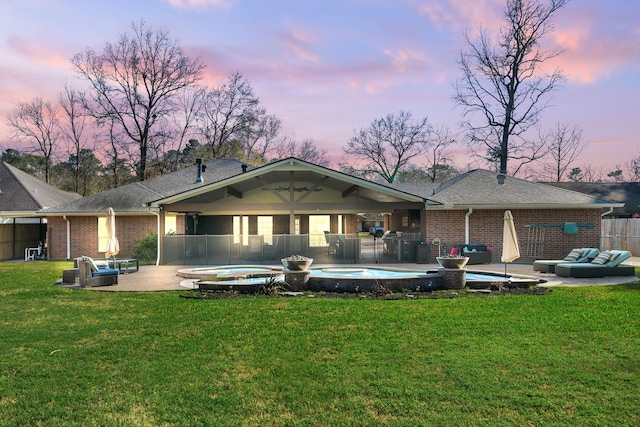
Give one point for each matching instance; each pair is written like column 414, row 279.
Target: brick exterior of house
column 84, row 234
column 403, row 209
column 486, row 227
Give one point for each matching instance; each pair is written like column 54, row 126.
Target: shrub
column 146, row 248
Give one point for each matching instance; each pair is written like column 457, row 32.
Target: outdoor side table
column 125, row 266
column 69, row 275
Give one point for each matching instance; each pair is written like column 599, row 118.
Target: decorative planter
column 455, row 263
column 296, row 265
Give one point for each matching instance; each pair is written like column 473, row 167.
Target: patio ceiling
column 304, row 181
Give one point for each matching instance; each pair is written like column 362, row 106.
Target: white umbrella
column 510, row 248
column 113, row 247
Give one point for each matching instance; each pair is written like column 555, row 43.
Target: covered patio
column 289, row 207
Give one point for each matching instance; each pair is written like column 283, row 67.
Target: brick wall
column 84, row 235
column 486, row 227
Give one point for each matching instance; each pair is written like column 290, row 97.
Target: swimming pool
column 341, row 279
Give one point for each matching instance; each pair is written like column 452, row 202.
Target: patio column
column 292, row 221
column 161, row 232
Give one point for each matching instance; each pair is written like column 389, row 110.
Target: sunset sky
column 329, row 67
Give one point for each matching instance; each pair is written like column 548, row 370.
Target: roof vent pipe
column 200, row 168
column 244, row 168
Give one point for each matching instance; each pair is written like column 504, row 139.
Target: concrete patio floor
column 164, row 277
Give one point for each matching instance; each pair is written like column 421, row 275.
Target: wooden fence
column 621, row 233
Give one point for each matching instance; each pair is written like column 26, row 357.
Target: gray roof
column 477, row 188
column 623, row 192
column 133, row 198
column 480, row 189
column 23, row 194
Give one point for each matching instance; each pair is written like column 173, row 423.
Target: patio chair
column 89, row 274
column 579, row 255
column 333, row 243
column 607, row 263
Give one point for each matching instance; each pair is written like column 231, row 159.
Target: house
column 621, row 192
column 232, row 213
column 21, row 197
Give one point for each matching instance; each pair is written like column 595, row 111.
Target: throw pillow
column 573, row 255
column 602, row 258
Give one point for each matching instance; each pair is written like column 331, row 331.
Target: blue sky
column 329, row 67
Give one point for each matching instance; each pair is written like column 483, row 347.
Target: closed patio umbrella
column 510, row 248
column 113, row 247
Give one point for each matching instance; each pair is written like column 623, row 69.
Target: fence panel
column 622, row 234
column 323, row 248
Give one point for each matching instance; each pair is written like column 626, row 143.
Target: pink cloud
column 590, row 57
column 299, row 42
column 41, row 55
column 190, row 4
column 403, row 59
column 463, row 14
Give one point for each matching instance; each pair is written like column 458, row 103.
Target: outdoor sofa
column 478, row 254
column 89, row 274
column 578, row 255
column 607, row 263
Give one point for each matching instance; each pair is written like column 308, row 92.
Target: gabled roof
column 280, row 169
column 480, row 189
column 137, row 197
column 22, row 194
column 133, row 198
column 622, row 192
column 474, row 189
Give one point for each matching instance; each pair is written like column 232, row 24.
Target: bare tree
column 306, row 150
column 438, row 167
column 73, row 129
column 229, row 112
column 387, row 145
column 190, row 103
column 633, row 169
column 37, row 123
column 134, row 83
column 565, row 146
column 502, row 82
column 116, row 169
column 258, row 141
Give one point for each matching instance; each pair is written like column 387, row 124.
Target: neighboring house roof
column 480, row 189
column 621, row 192
column 133, row 198
column 22, row 195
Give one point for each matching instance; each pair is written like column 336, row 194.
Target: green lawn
column 81, row 358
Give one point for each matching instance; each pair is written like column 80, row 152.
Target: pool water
column 345, row 279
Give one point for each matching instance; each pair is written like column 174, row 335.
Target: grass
column 82, row 358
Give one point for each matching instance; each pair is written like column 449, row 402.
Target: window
column 240, row 229
column 265, row 228
column 170, row 224
column 102, row 234
column 318, row 224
